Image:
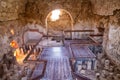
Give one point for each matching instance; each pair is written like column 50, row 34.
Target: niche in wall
column 31, row 35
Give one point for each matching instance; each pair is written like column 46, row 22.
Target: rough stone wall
column 84, row 12
column 6, row 37
column 11, row 17
column 39, row 9
column 80, row 10
column 114, row 43
column 19, row 29
column 11, row 9
column 112, row 37
column 105, row 7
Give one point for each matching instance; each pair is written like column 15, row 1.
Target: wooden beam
column 51, row 36
column 26, row 58
column 94, row 40
column 79, row 31
column 96, row 35
column 38, row 77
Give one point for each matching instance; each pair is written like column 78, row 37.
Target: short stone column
column 89, row 64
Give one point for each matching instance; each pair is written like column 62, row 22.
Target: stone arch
column 46, row 24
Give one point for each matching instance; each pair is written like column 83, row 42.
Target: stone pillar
column 89, row 65
column 76, row 65
column 94, row 64
column 34, row 51
column 107, row 64
column 79, row 67
column 30, row 48
column 21, row 50
column 28, row 51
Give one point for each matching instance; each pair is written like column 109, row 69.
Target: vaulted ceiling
column 39, row 9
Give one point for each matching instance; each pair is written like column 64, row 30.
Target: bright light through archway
column 55, row 15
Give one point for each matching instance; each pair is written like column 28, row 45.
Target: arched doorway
column 56, row 27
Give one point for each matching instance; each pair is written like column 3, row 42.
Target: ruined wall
column 113, row 44
column 87, row 13
column 11, row 18
column 6, row 37
column 39, row 9
column 11, row 9
column 80, row 11
column 105, row 7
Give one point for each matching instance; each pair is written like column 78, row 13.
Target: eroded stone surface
column 11, row 9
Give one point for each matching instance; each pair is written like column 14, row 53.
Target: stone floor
column 58, row 69
column 58, row 66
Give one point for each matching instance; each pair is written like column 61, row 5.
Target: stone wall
column 113, row 44
column 6, row 36
column 113, row 38
column 11, row 18
column 39, row 9
column 105, row 7
column 11, row 9
column 79, row 9
column 19, row 29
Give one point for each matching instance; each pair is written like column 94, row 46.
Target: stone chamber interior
column 81, row 41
